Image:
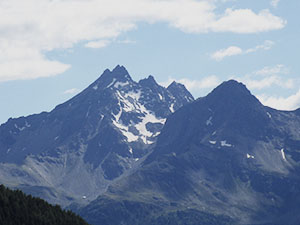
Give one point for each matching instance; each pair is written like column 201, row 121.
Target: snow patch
column 27, row 124
column 124, row 130
column 133, row 95
column 156, row 134
column 250, row 156
column 208, row 122
column 149, row 117
column 283, row 154
column 113, row 81
column 20, row 128
column 225, row 144
column 160, row 97
column 172, row 108
column 130, row 150
column 88, row 112
column 129, row 102
column 120, row 84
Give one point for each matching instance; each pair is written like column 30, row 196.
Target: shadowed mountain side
column 84, row 144
column 224, row 155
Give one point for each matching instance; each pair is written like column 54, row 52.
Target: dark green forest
column 17, row 208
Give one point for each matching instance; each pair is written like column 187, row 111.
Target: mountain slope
column 73, row 152
column 16, row 208
column 225, row 155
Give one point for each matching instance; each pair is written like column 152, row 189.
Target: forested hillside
column 17, row 208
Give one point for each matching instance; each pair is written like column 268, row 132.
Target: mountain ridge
column 224, row 155
column 82, row 145
column 138, row 153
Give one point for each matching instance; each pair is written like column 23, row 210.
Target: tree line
column 17, row 208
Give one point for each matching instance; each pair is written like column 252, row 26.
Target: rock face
column 223, row 159
column 72, row 153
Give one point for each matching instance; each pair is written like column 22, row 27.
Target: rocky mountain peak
column 120, row 72
column 232, row 93
column 102, row 132
column 173, row 84
column 148, row 82
column 180, row 91
column 119, row 75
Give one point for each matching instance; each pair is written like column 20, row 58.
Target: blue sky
column 52, row 49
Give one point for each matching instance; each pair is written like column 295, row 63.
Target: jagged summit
column 120, row 72
column 178, row 90
column 108, row 77
column 232, row 86
column 231, row 89
column 229, row 111
column 148, row 82
column 102, row 133
column 224, row 154
column 232, row 95
column 174, row 84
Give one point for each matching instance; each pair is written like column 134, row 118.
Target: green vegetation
column 16, row 208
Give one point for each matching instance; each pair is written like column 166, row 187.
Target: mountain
column 16, row 208
column 222, row 159
column 74, row 152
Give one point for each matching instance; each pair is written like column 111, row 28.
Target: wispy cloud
column 272, row 70
column 234, row 50
column 230, row 51
column 274, row 3
column 97, row 44
column 40, row 26
column 191, row 84
column 72, row 91
column 126, row 41
column 266, row 82
column 267, row 45
column 259, row 81
column 268, row 76
column 291, row 102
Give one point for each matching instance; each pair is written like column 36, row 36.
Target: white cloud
column 267, row 45
column 274, row 3
column 289, row 103
column 270, row 81
column 19, row 61
column 206, row 82
column 273, row 70
column 40, row 26
column 246, row 21
column 268, row 77
column 126, row 41
column 97, row 44
column 230, row 51
column 72, row 91
column 234, row 50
